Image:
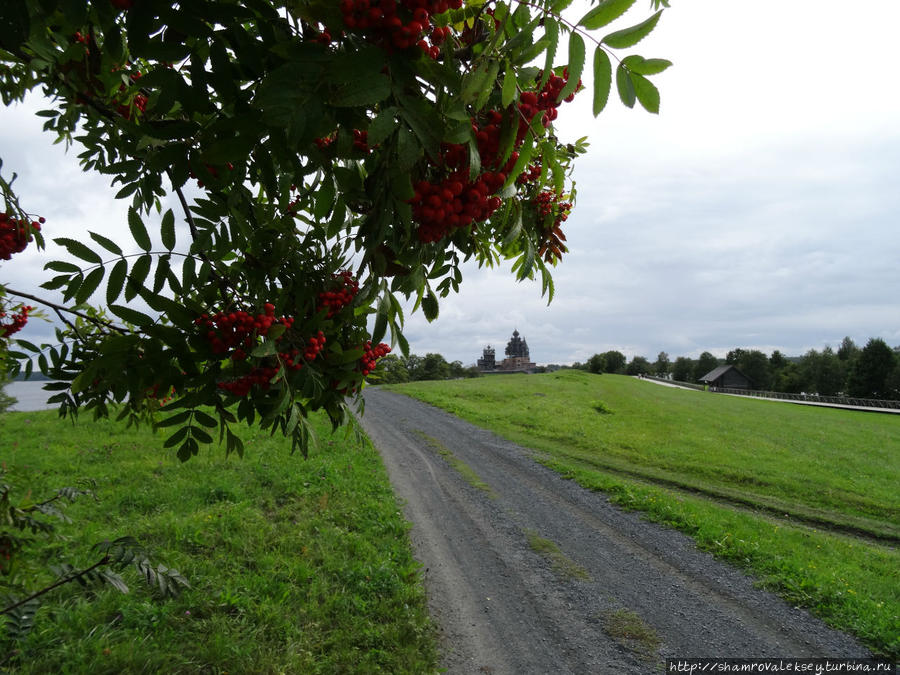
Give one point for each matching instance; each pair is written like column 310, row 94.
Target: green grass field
column 805, row 498
column 297, row 566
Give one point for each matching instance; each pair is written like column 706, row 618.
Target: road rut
column 503, row 607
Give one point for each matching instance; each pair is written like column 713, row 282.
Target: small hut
column 727, row 377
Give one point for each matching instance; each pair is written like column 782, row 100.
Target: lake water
column 30, row 396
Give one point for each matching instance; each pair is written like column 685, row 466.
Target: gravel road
column 504, row 607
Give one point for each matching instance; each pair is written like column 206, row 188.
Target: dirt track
column 502, row 607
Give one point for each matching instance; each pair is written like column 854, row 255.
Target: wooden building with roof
column 727, row 377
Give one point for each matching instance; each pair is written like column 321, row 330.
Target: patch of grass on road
column 629, row 629
column 739, row 475
column 559, row 561
column 297, row 566
column 463, row 469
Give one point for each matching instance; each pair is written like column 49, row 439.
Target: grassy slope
column 637, row 440
column 295, row 566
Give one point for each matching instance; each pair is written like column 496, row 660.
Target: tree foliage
column 294, row 169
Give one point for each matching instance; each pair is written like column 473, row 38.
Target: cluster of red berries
column 153, row 393
column 453, row 199
column 334, row 301
column 237, row 330
column 314, row 345
column 551, row 204
column 360, row 140
column 210, row 169
column 545, row 102
column 370, row 358
column 15, row 234
column 450, row 199
column 399, row 24
column 260, row 376
column 17, row 322
column 6, row 551
column 453, row 202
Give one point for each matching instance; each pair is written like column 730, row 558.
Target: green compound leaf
column 625, row 85
column 646, row 93
column 602, row 79
column 628, row 37
column 642, row 66
column 576, row 65
column 116, row 281
column 138, row 231
column 90, row 284
column 605, row 12
column 167, row 230
column 79, row 250
column 108, row 244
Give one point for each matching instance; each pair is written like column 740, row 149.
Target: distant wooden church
column 517, row 357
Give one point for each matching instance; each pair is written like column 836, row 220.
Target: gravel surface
column 503, row 607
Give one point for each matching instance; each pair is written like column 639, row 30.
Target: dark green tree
column 869, row 373
column 683, row 369
column 614, row 361
column 391, row 370
column 663, row 365
column 791, row 380
column 848, row 350
column 733, row 358
column 755, row 365
column 596, row 364
column 777, row 361
column 705, row 363
column 639, row 365
column 434, row 367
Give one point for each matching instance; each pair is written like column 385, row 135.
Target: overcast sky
column 758, row 210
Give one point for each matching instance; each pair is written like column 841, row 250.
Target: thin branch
column 65, row 580
column 61, row 308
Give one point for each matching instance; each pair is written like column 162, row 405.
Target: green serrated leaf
column 138, row 231
column 642, row 66
column 602, row 79
column 176, row 438
column 108, row 244
column 646, row 93
column 90, row 284
column 138, row 275
column 604, row 13
column 382, row 126
column 60, row 266
column 132, row 316
column 576, row 65
column 78, row 249
column 116, row 281
column 625, row 86
column 628, row 37
column 178, row 418
column 167, row 230
column 509, row 91
column 430, row 306
column 552, row 36
column 267, row 348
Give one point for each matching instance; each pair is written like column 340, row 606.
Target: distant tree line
column 872, row 371
column 394, row 369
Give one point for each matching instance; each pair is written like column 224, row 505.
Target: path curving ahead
column 483, row 514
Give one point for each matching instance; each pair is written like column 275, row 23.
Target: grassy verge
column 736, row 474
column 295, row 565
